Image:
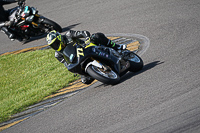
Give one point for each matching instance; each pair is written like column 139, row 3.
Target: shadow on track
column 131, row 74
column 145, row 68
column 69, row 27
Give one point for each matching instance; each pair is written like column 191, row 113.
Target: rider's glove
column 68, row 34
column 87, row 40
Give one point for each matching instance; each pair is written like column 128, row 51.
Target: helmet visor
column 56, row 44
column 55, row 40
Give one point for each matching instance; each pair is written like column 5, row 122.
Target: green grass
column 27, row 78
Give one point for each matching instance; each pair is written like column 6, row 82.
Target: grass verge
column 27, row 78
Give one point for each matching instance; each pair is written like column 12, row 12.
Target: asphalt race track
column 162, row 98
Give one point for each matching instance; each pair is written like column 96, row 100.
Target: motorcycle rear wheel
column 136, row 63
column 51, row 25
column 106, row 77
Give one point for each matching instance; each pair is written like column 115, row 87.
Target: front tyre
column 104, row 76
column 51, row 25
column 136, row 63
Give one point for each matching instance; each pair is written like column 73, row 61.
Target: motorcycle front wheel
column 104, row 76
column 51, row 25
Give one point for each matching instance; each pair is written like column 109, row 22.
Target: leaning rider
column 58, row 42
column 7, row 18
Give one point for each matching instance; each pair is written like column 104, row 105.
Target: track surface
column 162, row 98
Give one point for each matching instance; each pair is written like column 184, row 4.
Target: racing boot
column 10, row 35
column 116, row 46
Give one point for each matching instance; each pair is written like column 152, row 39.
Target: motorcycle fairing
column 77, row 62
column 70, row 53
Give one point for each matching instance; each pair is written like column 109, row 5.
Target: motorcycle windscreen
column 70, row 53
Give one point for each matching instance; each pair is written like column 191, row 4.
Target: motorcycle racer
column 58, row 42
column 7, row 17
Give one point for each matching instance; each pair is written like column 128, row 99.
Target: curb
column 27, row 50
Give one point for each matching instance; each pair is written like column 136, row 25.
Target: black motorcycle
column 100, row 62
column 29, row 23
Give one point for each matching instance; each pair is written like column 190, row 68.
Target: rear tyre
column 136, row 63
column 51, row 25
column 104, row 76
